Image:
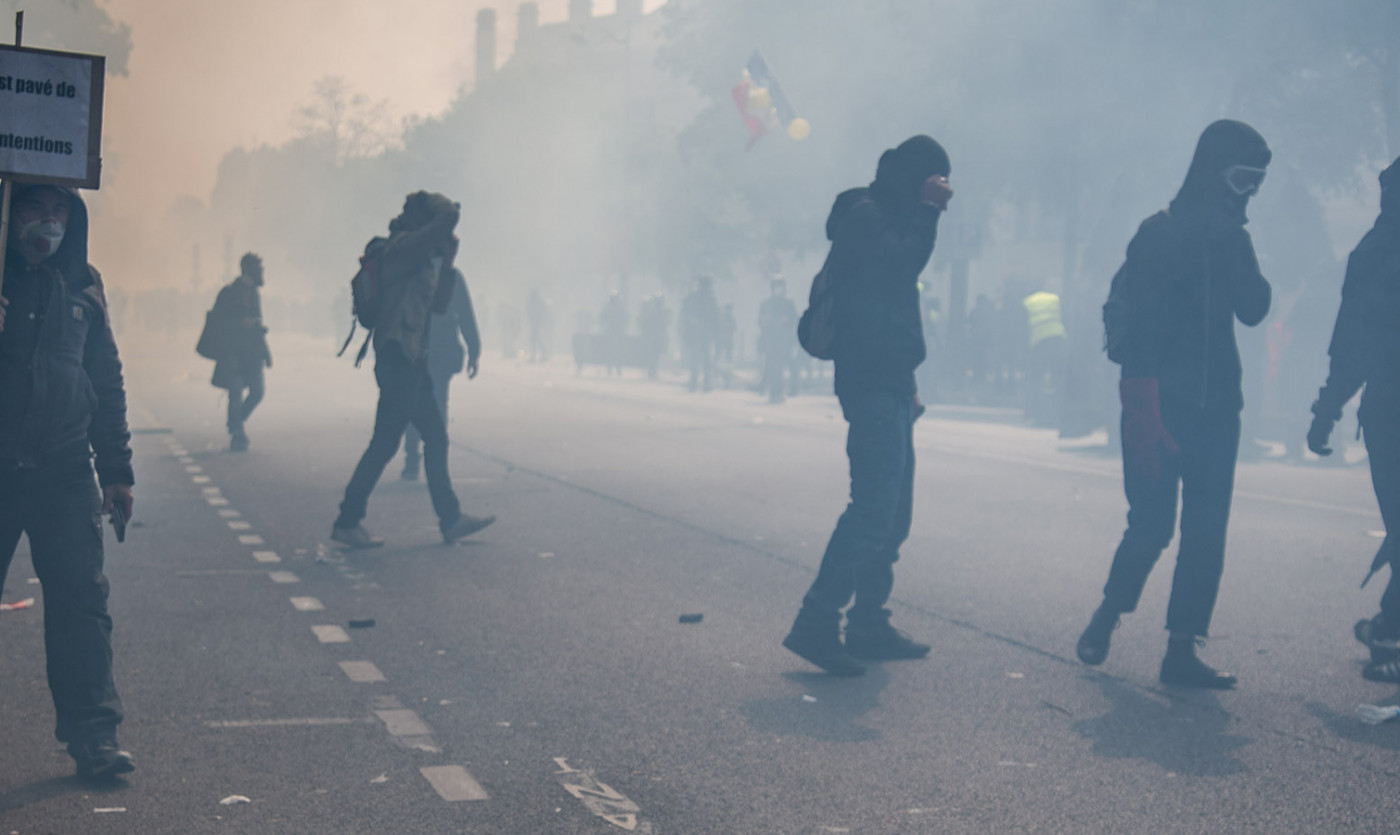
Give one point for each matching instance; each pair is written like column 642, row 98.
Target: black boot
column 818, row 640
column 100, row 759
column 1380, row 636
column 1093, row 644
column 876, row 640
column 1181, row 667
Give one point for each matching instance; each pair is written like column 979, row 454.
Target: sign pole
column 9, row 183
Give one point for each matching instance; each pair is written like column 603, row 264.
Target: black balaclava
column 902, row 172
column 1206, row 202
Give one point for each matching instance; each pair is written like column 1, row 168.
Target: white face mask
column 39, row 239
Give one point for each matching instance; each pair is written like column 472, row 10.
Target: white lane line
column 331, row 634
column 362, row 672
column 307, row 604
column 230, row 513
column 193, row 468
column 453, row 783
column 216, row 501
column 284, row 723
column 283, row 577
column 185, row 459
column 402, row 722
column 239, row 525
column 266, row 556
column 250, row 539
column 211, row 491
column 201, row 479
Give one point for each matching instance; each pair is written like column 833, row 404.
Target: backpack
column 1116, row 333
column 365, row 296
column 816, row 330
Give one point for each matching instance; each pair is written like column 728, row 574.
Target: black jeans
column 58, row 507
column 859, row 559
column 1381, row 429
column 405, row 396
column 1205, row 474
column 412, row 438
column 241, row 406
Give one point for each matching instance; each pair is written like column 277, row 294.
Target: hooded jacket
column 62, row 397
column 1190, row 273
column 1365, row 346
column 415, row 273
column 882, row 237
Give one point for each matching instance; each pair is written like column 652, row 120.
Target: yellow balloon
column 799, row 129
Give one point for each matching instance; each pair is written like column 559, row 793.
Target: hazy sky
column 210, row 75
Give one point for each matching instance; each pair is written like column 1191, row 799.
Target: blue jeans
column 859, row 559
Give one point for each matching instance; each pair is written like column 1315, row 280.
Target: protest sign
column 51, row 116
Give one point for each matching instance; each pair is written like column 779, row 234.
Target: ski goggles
column 1244, row 179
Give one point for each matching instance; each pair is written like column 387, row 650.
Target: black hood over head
column 71, row 259
column 903, row 170
column 1205, row 197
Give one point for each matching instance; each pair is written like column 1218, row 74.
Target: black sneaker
column 1092, row 648
column 822, row 647
column 101, row 759
column 1386, row 672
column 356, row 537
column 1380, row 637
column 238, row 442
column 466, row 525
column 883, row 643
column 1181, row 668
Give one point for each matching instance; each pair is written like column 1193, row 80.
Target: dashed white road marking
column 453, row 783
column 250, row 539
column 211, row 491
column 201, row 479
column 331, row 634
column 266, row 556
column 362, row 672
column 312, row 721
column 185, row 459
column 239, row 525
column 216, row 501
column 230, row 513
column 194, row 468
column 402, row 721
column 283, row 577
column 307, row 604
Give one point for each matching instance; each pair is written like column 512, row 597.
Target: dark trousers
column 859, row 559
column 702, row 366
column 58, row 507
column 240, row 405
column 412, row 438
column 776, row 367
column 1205, row 474
column 1382, row 434
column 405, row 396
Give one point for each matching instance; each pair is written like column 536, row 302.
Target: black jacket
column 62, row 397
column 1190, row 273
column 1366, row 339
column 246, row 350
column 444, row 347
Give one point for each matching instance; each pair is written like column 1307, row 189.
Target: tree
column 349, row 123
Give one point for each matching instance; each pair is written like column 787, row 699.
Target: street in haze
column 537, row 678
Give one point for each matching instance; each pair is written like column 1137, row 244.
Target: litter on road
column 1376, row 714
column 361, row 623
column 26, row 603
column 234, row 800
column 692, row 618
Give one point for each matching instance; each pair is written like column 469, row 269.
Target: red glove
column 1145, row 437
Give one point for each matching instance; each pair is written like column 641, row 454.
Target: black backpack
column 365, row 296
column 816, row 330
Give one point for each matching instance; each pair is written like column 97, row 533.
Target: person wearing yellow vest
column 1045, row 366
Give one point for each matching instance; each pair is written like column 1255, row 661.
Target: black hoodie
column 882, row 237
column 1366, row 339
column 62, row 397
column 1190, row 272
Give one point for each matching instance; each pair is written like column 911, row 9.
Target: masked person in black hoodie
column 62, row 400
column 882, row 238
column 1190, row 272
column 1365, row 351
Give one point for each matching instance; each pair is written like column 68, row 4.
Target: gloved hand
column 1320, row 433
column 1145, row 437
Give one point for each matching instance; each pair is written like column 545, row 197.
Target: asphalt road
column 536, row 679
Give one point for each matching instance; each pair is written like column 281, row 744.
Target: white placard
column 51, row 116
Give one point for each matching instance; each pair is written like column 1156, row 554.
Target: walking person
column 1170, row 322
column 699, row 329
column 62, row 406
column 882, row 238
column 445, row 361
column 415, row 280
column 1365, row 353
column 777, row 340
column 241, row 351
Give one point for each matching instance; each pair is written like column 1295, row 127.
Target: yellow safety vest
column 1044, row 311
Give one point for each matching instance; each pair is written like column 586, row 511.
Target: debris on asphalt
column 33, row 581
column 692, row 618
column 234, row 800
column 1376, row 714
column 383, row 778
column 545, row 555
column 107, row 810
column 361, row 623
column 807, row 698
column 26, row 603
